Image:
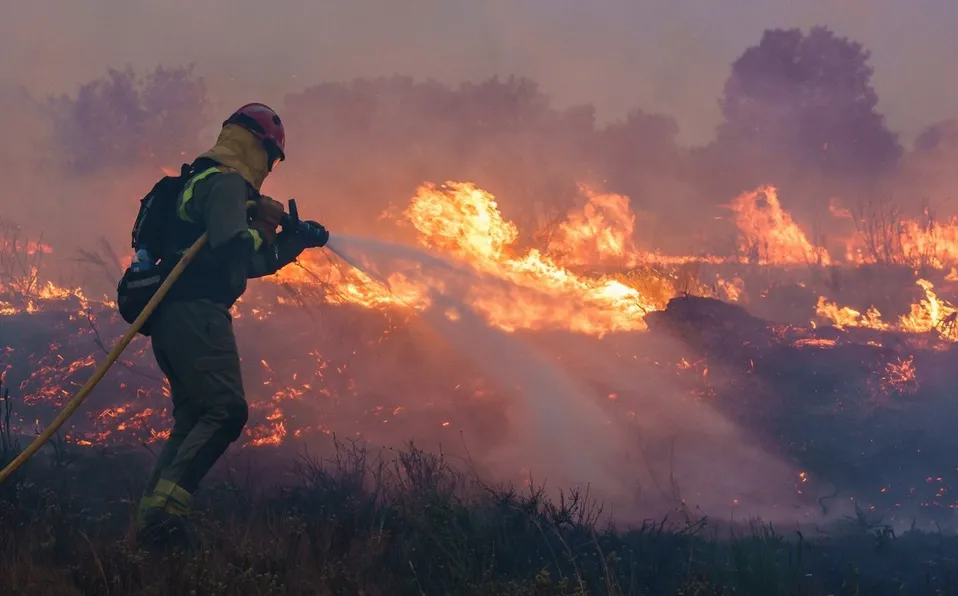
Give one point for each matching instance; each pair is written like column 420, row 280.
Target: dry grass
column 20, row 261
column 412, row 524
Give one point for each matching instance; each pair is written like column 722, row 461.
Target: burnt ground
column 834, row 409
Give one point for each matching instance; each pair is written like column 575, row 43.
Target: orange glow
column 842, row 317
column 931, row 314
column 899, row 377
column 601, row 233
column 767, row 233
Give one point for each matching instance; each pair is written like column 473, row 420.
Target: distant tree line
column 799, row 111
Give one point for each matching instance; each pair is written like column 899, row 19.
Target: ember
column 899, row 377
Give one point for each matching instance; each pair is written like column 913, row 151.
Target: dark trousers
column 195, row 348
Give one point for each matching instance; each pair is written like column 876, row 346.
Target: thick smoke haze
column 616, row 54
column 558, row 431
column 679, row 106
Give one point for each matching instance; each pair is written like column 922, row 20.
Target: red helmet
column 265, row 125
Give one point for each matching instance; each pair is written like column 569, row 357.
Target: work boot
column 161, row 519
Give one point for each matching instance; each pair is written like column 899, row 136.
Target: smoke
column 555, row 411
column 615, row 54
column 626, row 101
column 352, row 155
column 673, row 453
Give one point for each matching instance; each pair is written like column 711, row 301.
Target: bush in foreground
column 412, row 524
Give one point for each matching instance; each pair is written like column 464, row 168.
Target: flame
column 540, row 291
column 26, row 247
column 929, row 243
column 34, row 296
column 812, row 342
column 602, row 232
column 887, row 237
column 767, row 233
column 732, row 290
column 931, row 314
column 555, row 286
column 463, row 221
column 346, row 285
column 842, row 317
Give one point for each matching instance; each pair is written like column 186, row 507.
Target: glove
column 266, row 218
column 292, row 242
column 316, row 235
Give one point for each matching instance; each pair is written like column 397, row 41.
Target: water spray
column 331, row 245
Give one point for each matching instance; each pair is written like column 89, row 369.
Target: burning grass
column 327, row 349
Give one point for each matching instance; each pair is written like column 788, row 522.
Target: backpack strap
column 187, row 196
column 162, row 186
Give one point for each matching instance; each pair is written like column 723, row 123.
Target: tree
column 121, row 120
column 929, row 170
column 639, row 152
column 177, row 107
column 807, row 103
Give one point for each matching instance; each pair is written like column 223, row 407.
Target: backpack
column 152, row 230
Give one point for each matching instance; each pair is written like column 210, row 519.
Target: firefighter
column 192, row 335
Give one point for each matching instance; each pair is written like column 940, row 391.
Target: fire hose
column 289, row 220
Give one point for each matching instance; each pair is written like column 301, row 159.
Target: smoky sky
column 667, row 57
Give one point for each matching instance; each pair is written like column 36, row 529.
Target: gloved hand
column 292, row 242
column 316, row 235
column 266, row 218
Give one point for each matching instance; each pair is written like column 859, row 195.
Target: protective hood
column 238, row 149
